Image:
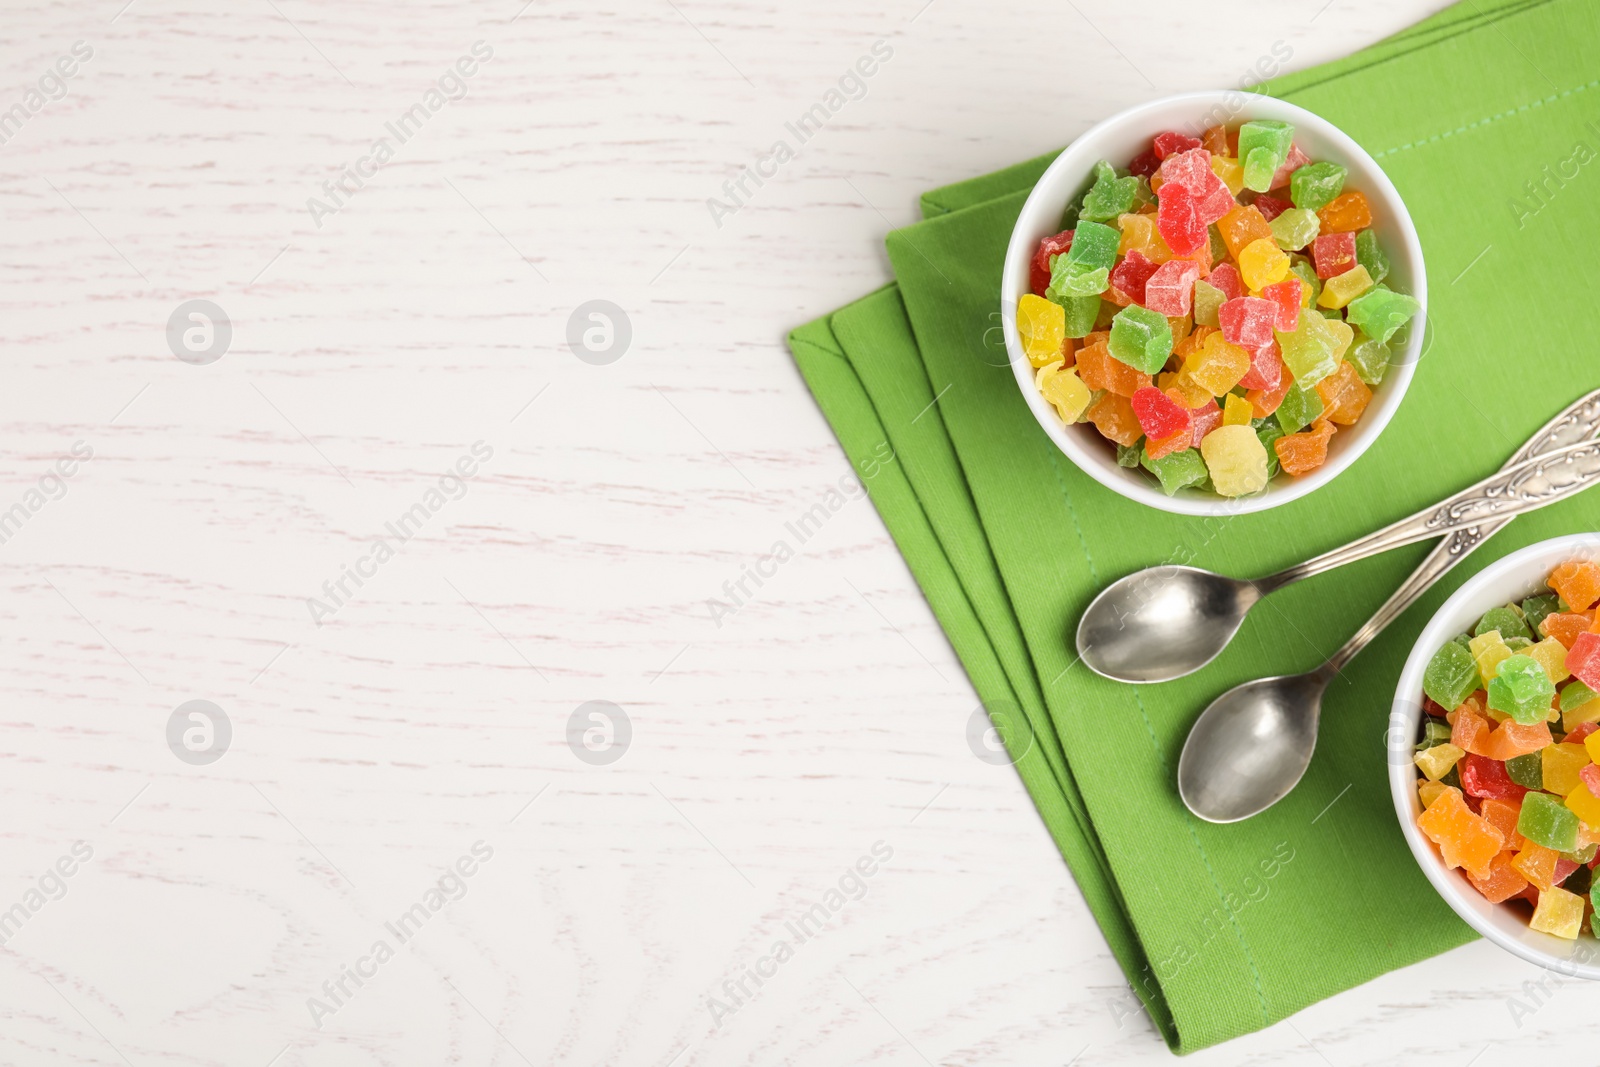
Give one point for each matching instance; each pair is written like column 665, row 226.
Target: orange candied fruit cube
column 1069, row 351
column 1578, row 582
column 1537, row 864
column 1219, row 142
column 1346, row 213
column 1469, row 730
column 1113, row 417
column 1241, row 226
column 1504, row 881
column 1099, row 369
column 1503, row 815
column 1511, row 739
column 1465, row 840
column 1303, row 452
column 1344, row 395
column 1264, row 402
column 1566, row 626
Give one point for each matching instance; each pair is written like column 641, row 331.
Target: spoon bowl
column 1162, row 623
column 1251, row 746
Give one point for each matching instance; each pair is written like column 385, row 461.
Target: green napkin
column 1223, row 930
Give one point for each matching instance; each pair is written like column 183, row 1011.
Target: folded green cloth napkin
column 1487, row 118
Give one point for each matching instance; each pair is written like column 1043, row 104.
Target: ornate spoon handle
column 1525, row 487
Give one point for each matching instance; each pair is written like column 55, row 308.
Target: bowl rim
column 1078, row 159
column 1406, row 713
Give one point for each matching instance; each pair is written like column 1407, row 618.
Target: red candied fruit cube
column 1039, row 273
column 1131, row 275
column 1286, row 295
column 1178, row 220
column 1589, row 772
column 1579, row 732
column 1485, row 777
column 1333, row 254
column 1189, row 171
column 1266, row 371
column 1215, row 200
column 1563, row 871
column 1208, row 417
column 1159, row 415
column 1171, row 143
column 1226, row 276
column 1145, row 164
column 1433, row 709
column 1247, row 321
column 1583, row 660
column 1271, row 207
column 1170, row 289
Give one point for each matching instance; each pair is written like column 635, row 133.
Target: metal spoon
column 1165, row 622
column 1253, row 744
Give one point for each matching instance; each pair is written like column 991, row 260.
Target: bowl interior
column 1513, row 578
column 1119, row 139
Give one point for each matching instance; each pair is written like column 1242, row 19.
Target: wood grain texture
column 769, row 753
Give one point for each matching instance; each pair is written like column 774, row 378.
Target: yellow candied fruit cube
column 1340, row 333
column 1341, row 289
column 1236, row 460
column 1237, row 411
column 1042, row 325
column 1218, row 366
column 1063, row 388
column 1139, row 232
column 1428, row 790
column 1181, row 327
column 1559, row 912
column 1490, row 651
column 1436, row 762
column 1231, row 171
column 1560, row 765
column 1262, row 263
column 1585, row 805
column 1552, row 656
column 1579, row 715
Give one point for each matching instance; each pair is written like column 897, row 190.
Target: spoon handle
column 1576, row 424
column 1525, row 487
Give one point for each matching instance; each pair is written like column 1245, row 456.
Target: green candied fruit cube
column 1109, row 196
column 1094, row 245
column 1263, row 145
column 1207, row 299
column 1177, row 470
column 1580, row 880
column 1464, row 640
column 1141, row 338
column 1517, row 644
column 1300, row 408
column 1546, row 821
column 1451, row 677
column 1142, row 196
column 1522, row 690
column 1507, row 620
column 1295, row 228
column 1308, row 351
column 1526, row 770
column 1259, row 167
column 1536, row 609
column 1314, row 185
column 1081, row 313
column 1575, row 695
column 1268, row 432
column 1370, row 358
column 1070, row 281
column 1129, row 455
column 1371, row 255
column 1380, row 311
column 1434, row 733
column 1300, row 266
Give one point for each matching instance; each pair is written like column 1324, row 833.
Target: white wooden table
column 414, row 724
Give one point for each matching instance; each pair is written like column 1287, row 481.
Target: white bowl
column 1513, row 578
column 1120, row 138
